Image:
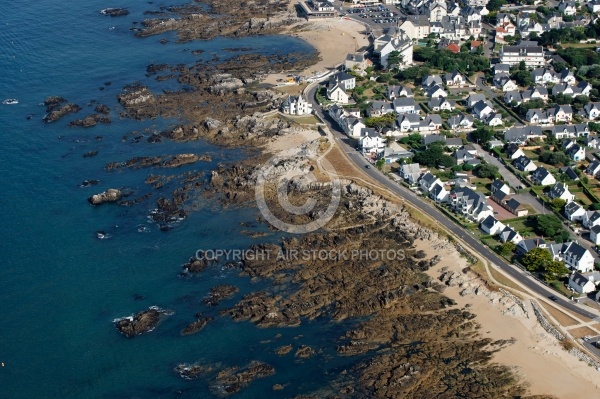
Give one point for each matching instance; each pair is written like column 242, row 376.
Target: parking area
column 499, row 212
column 376, row 14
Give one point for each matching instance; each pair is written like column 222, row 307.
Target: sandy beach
column 333, row 39
column 536, row 356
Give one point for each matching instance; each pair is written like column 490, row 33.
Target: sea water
column 60, row 286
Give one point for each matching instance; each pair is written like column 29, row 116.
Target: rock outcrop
column 110, row 195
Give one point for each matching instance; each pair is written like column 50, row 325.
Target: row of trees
column 540, row 260
column 448, row 61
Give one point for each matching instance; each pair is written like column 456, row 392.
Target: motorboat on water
column 10, row 101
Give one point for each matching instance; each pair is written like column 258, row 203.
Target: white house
column 441, row 104
column 592, row 110
column 514, row 151
column 490, row 225
column 577, row 257
column 296, row 106
column 337, row 94
column 524, row 164
column 510, row 235
column 455, row 79
column 593, row 168
column 574, row 211
column 584, row 283
column 371, row 142
column 344, row 80
column 405, row 105
column 561, row 191
column 408, row 122
column 567, row 8
column 595, row 235
column 470, row 204
column 438, row 193
column 427, row 181
column 591, row 219
column 533, row 56
column 542, row 177
column 411, row 173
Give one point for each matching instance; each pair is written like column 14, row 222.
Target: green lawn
column 579, row 45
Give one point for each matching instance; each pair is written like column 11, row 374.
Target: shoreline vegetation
column 428, row 324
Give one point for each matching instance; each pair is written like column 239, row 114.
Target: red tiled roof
column 453, row 47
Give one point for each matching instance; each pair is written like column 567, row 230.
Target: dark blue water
column 61, row 287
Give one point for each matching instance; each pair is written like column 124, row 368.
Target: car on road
column 554, row 298
column 368, row 166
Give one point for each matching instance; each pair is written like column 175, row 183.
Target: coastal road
column 442, row 221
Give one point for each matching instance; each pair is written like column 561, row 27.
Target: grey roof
column 519, row 134
column 540, row 174
column 557, row 190
column 508, row 233
column 437, row 189
column 489, row 222
column 397, row 90
column 431, row 80
column 410, row 168
column 573, row 130
column 463, row 154
column 575, row 251
column 428, row 177
column 570, row 173
column 499, row 195
column 521, row 162
column 454, row 142
column 572, row 207
column 513, row 204
column 498, row 184
column 511, row 149
column 532, row 243
column 432, row 138
column 524, row 50
column 596, row 228
column 498, row 68
column 435, row 118
column 579, row 279
column 404, row 102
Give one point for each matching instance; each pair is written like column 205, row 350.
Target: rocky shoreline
column 405, row 337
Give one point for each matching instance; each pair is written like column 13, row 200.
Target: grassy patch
column 579, row 45
column 562, row 318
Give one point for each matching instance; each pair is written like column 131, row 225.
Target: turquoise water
column 60, row 287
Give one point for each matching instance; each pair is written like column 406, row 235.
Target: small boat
column 10, row 101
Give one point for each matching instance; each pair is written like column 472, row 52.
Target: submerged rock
column 115, row 12
column 110, row 195
column 196, row 326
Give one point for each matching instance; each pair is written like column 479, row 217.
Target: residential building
column 501, row 68
column 438, row 193
column 584, row 283
column 357, row 61
column 595, row 234
column 561, row 191
column 510, row 235
column 296, row 105
column 527, row 245
column 470, row 204
column 436, row 91
column 524, row 164
column 411, row 173
column 394, row 92
column 503, row 82
column 371, row 142
column 455, row 79
column 379, row 108
column 591, row 219
column 499, row 186
column 430, row 81
column 576, row 152
column 463, row 156
column 405, row 105
column 514, row 151
column 567, row 8
column 482, row 109
column 573, row 211
column 408, row 122
column 542, row 177
column 393, row 40
column 593, row 168
column 344, row 80
column 577, row 257
column 533, row 56
column 460, row 121
column 431, row 123
column 570, row 131
column 427, row 181
column 441, row 104
column 592, row 110
column 474, row 98
column 520, row 135
column 492, row 226
column 415, row 26
column 337, row 94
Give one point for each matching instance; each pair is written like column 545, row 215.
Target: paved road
column 426, row 207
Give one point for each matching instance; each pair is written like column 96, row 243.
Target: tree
column 507, row 249
column 549, row 226
column 495, row 5
column 483, row 134
column 557, row 204
column 486, row 171
column 554, row 158
column 381, row 121
column 523, row 78
column 536, row 259
column 553, row 270
column 394, row 59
